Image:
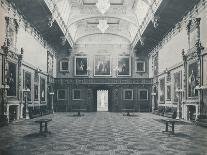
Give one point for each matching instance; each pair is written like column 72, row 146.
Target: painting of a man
column 11, row 79
column 81, row 66
column 192, row 79
column 124, row 66
column 27, row 84
column 102, row 65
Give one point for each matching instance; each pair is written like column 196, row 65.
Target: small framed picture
column 76, row 94
column 61, row 94
column 64, row 66
column 140, row 66
column 143, row 94
column 128, row 94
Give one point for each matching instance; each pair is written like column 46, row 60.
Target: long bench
column 127, row 111
column 79, row 111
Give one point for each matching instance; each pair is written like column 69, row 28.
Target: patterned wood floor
column 102, row 133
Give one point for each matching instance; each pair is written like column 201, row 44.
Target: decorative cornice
column 184, row 23
column 21, row 21
column 53, row 8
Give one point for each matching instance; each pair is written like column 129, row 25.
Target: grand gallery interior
column 103, row 77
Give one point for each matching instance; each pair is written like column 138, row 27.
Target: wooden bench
column 78, row 111
column 127, row 111
column 169, row 123
column 45, row 122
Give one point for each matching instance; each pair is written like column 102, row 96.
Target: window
column 143, row 94
column 61, row 94
column 128, row 94
column 76, row 94
column 64, row 65
column 140, row 66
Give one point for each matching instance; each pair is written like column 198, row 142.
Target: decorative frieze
column 123, row 81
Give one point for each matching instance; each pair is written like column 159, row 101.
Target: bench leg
column 166, row 128
column 46, row 127
column 128, row 114
column 173, row 128
column 79, row 113
column 40, row 127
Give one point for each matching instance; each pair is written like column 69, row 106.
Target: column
column 20, row 97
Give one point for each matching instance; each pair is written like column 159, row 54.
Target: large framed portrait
column 204, row 70
column 192, row 79
column 102, row 65
column 128, row 94
column 27, row 84
column 162, row 90
column 49, row 63
column 42, row 89
column 124, row 66
column 177, row 85
column 81, row 65
column 11, row 79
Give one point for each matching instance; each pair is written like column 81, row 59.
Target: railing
column 69, row 81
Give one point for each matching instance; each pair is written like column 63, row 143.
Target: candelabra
column 52, row 104
column 180, row 92
column 25, row 93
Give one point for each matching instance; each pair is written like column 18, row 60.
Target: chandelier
column 103, row 25
column 103, row 5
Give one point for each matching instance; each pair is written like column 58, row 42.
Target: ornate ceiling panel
column 120, row 15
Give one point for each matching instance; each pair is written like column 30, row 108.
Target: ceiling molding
column 102, row 17
column 109, row 33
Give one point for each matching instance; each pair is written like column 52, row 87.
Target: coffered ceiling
column 123, row 17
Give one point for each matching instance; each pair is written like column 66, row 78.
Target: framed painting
column 140, row 66
column 11, row 79
column 36, row 93
column 177, row 85
column 64, row 65
column 102, row 65
column 61, row 94
column 42, row 89
column 124, row 66
column 27, row 84
column 128, row 94
column 204, row 70
column 168, row 92
column 162, row 90
column 49, row 63
column 81, row 65
column 192, row 80
column 76, row 94
column 143, row 94
column 155, row 65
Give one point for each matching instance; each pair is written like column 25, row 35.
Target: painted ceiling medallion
column 103, row 5
column 103, row 25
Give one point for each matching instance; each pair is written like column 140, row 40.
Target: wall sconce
column 179, row 91
column 155, row 21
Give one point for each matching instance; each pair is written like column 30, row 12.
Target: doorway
column 102, row 100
